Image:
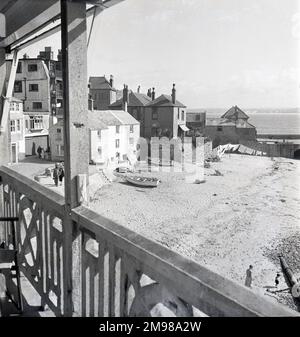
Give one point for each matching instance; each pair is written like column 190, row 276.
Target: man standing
column 56, row 174
column 248, row 280
column 61, row 173
column 277, row 280
column 39, row 151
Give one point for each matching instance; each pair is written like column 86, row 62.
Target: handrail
column 33, row 189
column 205, row 289
column 191, row 282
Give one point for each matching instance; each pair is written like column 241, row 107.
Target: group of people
column 248, row 280
column 41, row 152
column 58, row 174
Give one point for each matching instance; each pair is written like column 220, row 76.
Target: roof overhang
column 20, row 19
column 183, row 127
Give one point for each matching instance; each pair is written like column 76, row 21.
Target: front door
column 14, row 154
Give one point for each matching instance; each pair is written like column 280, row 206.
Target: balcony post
column 76, row 142
column 4, row 134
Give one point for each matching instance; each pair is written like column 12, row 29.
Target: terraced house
column 102, row 92
column 17, row 130
column 136, row 106
column 114, row 136
column 165, row 116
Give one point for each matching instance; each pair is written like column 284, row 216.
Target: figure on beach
column 248, row 280
column 61, row 173
column 277, row 280
column 56, row 174
column 39, row 151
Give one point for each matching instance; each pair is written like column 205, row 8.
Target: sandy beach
column 245, row 216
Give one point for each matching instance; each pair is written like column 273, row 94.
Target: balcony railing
column 117, row 272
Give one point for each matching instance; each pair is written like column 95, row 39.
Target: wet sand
column 245, row 216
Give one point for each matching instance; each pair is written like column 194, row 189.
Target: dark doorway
column 297, row 154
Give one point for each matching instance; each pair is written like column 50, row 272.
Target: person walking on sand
column 248, row 280
column 39, row 151
column 61, row 174
column 56, row 174
column 277, row 280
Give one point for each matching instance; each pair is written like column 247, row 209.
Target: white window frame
column 12, row 126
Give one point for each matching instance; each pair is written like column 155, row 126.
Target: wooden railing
column 121, row 273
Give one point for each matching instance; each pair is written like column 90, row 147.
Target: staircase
column 106, row 179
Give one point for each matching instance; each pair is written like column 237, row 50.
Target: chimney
column 125, row 97
column 90, row 103
column 153, row 94
column 111, row 81
column 149, row 93
column 173, row 94
column 138, row 89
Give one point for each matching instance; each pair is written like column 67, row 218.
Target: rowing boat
column 143, row 181
column 122, row 171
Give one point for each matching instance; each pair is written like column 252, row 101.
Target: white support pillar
column 9, row 92
column 76, row 141
column 4, row 135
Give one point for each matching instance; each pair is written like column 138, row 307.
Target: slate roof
column 100, row 82
column 95, row 122
column 219, row 122
column 244, row 124
column 114, row 117
column 107, row 117
column 235, row 113
column 165, row 100
column 124, row 117
column 227, row 122
column 134, row 99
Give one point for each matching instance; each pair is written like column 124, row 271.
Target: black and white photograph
column 149, row 162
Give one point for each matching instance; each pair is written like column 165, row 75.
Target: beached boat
column 122, row 171
column 143, row 181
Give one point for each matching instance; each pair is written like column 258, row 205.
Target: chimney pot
column 125, row 97
column 90, row 103
column 153, row 94
column 111, row 81
column 173, row 94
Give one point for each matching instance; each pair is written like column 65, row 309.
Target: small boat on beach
column 122, row 171
column 143, row 181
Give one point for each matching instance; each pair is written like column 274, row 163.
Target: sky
column 219, row 53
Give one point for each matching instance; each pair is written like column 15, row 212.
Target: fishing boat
column 122, row 171
column 143, row 181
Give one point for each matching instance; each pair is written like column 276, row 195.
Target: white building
column 17, row 130
column 32, row 87
column 113, row 136
column 115, row 143
column 56, row 141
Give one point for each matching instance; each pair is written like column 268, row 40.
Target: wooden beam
column 76, row 142
column 9, row 92
column 4, row 136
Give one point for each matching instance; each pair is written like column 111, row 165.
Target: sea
column 266, row 121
